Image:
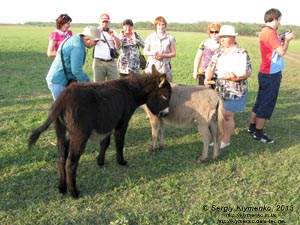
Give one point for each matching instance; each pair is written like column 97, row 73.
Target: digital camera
column 106, row 29
column 283, row 35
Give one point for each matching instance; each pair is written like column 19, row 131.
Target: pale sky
column 181, row 11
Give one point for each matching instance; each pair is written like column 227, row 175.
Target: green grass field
column 252, row 183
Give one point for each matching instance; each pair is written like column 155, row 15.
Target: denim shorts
column 236, row 105
column 268, row 91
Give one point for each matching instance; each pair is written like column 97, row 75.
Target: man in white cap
column 104, row 64
column 70, row 58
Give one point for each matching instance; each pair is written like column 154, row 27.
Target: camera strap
column 136, row 36
column 107, row 42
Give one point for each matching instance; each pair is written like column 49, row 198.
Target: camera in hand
column 283, row 35
column 106, row 29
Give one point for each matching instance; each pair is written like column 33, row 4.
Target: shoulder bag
column 113, row 51
column 142, row 58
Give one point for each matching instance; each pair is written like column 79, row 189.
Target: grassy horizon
column 166, row 187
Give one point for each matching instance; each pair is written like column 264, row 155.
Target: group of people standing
column 219, row 63
column 69, row 56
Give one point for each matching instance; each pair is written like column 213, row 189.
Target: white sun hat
column 227, row 30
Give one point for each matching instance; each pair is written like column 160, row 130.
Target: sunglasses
column 214, row 32
column 65, row 16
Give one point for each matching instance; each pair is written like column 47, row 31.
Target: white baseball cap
column 92, row 32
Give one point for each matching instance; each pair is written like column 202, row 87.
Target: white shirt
column 101, row 50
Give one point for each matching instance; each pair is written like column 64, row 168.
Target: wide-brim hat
column 227, row 30
column 91, row 32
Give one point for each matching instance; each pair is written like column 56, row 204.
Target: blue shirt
column 74, row 57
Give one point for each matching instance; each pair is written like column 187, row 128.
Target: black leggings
column 201, row 78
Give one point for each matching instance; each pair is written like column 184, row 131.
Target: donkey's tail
column 36, row 133
column 55, row 113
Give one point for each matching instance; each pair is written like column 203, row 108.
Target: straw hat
column 227, row 30
column 92, row 32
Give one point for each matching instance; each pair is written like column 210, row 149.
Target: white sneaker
column 224, row 145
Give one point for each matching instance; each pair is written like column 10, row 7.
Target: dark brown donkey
column 101, row 107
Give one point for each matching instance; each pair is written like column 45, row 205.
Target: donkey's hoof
column 122, row 162
column 161, row 147
column 100, row 161
column 75, row 193
column 199, row 161
column 62, row 190
column 216, row 158
column 152, row 149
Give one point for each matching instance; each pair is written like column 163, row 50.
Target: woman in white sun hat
column 232, row 66
column 70, row 58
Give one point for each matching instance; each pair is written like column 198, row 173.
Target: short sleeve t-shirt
column 209, row 46
column 271, row 62
column 59, row 36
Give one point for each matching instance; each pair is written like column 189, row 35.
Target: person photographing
column 272, row 48
column 104, row 64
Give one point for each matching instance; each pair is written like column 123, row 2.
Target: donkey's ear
column 154, row 70
column 162, row 80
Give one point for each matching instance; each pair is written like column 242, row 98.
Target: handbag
column 143, row 61
column 113, row 51
column 71, row 80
